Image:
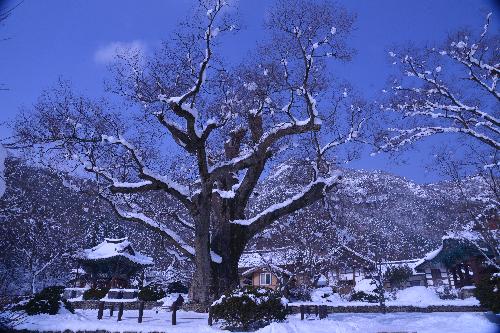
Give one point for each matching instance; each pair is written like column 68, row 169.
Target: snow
column 114, row 247
column 365, row 285
column 277, row 257
column 86, row 320
column 333, row 30
column 3, row 156
column 418, row 296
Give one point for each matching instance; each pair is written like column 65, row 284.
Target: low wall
column 86, row 305
column 376, row 309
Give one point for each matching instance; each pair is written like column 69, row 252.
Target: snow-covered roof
column 471, row 240
column 257, row 258
column 272, row 268
column 411, row 263
column 113, row 247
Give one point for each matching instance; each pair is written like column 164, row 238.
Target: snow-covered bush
column 325, row 295
column 95, row 294
column 249, row 308
column 152, row 292
column 300, row 293
column 398, row 275
column 49, row 300
column 488, row 292
column 364, row 297
column 365, row 290
column 445, row 292
column 177, row 287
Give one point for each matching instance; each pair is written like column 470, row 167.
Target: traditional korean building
column 111, row 264
column 461, row 260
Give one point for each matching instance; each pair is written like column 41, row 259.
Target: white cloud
column 108, row 53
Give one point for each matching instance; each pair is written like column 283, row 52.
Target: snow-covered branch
column 438, row 103
column 310, row 193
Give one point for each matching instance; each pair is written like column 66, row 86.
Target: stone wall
column 376, row 308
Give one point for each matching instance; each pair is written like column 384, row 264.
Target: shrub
column 177, row 287
column 445, row 292
column 364, row 297
column 94, row 294
column 49, row 300
column 488, row 292
column 301, row 293
column 249, row 308
column 152, row 292
column 398, row 275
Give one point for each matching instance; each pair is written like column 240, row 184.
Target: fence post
column 120, row 311
column 323, row 311
column 316, row 311
column 100, row 311
column 111, row 309
column 210, row 319
column 141, row 312
column 301, row 312
column 174, row 313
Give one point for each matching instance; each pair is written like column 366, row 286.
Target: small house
column 264, row 268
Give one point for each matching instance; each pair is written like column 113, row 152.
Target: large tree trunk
column 200, row 291
column 229, row 245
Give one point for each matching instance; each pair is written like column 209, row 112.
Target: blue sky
column 72, row 39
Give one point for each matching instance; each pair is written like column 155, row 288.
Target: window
column 265, row 279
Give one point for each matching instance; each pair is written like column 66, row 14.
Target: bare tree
column 228, row 127
column 451, row 89
column 4, row 15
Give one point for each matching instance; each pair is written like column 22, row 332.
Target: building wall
column 255, row 279
column 439, row 277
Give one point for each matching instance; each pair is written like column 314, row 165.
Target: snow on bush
column 418, row 295
column 249, row 308
column 325, row 294
column 152, row 292
column 95, row 293
column 49, row 301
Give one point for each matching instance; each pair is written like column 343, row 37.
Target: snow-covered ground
column 196, row 322
column 412, row 296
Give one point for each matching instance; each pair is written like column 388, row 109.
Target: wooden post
column 100, row 311
column 120, row 311
column 316, row 310
column 141, row 312
column 111, row 309
column 210, row 319
column 174, row 313
column 323, row 311
column 301, row 312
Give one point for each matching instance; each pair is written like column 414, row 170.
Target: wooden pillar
column 302, row 310
column 461, row 275
column 454, row 274
column 141, row 312
column 467, row 274
column 111, row 309
column 120, row 312
column 174, row 313
column 100, row 311
column 210, row 318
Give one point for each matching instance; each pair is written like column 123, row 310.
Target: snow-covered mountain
column 376, row 208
